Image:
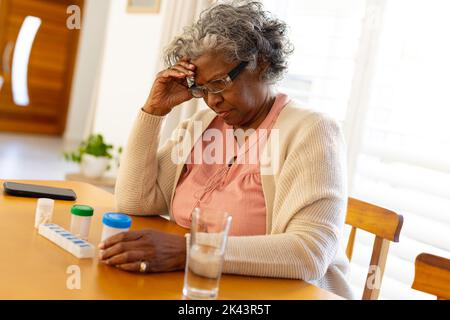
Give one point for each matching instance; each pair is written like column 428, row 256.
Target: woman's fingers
column 127, row 257
column 169, row 74
column 178, row 71
column 132, row 267
column 116, row 249
column 121, row 237
column 186, row 65
column 183, row 70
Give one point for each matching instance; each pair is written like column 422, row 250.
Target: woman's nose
column 213, row 99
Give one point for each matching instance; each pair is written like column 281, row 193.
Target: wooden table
column 32, row 267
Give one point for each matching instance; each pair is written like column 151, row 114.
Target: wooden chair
column 386, row 226
column 432, row 275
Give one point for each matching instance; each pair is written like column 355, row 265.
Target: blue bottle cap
column 116, row 220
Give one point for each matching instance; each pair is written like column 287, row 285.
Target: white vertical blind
column 325, row 34
column 404, row 161
column 402, row 147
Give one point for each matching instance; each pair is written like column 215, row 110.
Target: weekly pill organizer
column 66, row 240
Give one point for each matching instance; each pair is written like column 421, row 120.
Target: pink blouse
column 227, row 180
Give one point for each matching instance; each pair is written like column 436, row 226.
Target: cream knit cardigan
column 305, row 200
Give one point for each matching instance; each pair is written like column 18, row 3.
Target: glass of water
column 208, row 240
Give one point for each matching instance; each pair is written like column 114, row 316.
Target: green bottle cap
column 82, row 210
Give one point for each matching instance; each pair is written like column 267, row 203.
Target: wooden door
column 37, row 57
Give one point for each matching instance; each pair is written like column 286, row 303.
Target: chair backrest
column 432, row 275
column 386, row 226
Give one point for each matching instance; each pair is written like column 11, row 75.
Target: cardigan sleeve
column 146, row 174
column 308, row 213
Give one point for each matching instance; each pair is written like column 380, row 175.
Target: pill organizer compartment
column 66, row 240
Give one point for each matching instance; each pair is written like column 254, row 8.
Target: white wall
column 87, row 68
column 131, row 51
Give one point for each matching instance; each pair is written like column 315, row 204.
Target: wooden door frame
column 3, row 11
column 72, row 53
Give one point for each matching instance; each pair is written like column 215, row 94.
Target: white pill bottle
column 81, row 220
column 44, row 211
column 114, row 223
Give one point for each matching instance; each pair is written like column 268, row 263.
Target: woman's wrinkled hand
column 160, row 251
column 170, row 88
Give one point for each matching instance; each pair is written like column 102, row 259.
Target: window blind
column 402, row 158
column 325, row 35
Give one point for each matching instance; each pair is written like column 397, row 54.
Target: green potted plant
column 93, row 155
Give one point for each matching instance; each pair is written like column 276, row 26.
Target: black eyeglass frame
column 202, row 91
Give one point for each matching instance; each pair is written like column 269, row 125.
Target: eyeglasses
column 218, row 85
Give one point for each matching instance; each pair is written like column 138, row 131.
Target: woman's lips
column 224, row 114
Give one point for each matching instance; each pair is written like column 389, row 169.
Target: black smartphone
column 36, row 191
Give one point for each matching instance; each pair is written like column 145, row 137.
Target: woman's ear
column 262, row 66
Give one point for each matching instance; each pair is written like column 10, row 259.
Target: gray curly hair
column 241, row 31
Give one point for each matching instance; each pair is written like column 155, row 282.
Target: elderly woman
column 286, row 223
